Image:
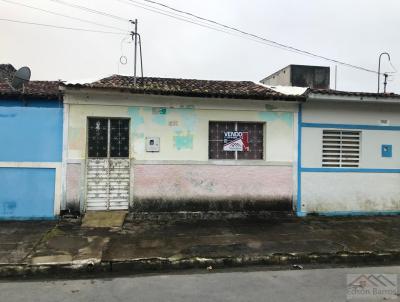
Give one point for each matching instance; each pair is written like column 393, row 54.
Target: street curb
column 152, row 265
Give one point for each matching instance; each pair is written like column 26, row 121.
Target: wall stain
column 9, row 207
column 286, row 117
column 198, row 181
column 76, row 137
column 138, row 135
column 7, row 115
column 270, row 107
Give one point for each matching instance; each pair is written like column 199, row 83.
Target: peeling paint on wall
column 159, row 119
column 182, row 142
column 189, row 119
column 137, row 121
column 136, row 118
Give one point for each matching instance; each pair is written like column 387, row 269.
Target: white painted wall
column 350, row 113
column 184, row 116
column 351, row 191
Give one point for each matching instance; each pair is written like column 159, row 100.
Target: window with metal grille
column 254, row 131
column 108, row 137
column 341, row 148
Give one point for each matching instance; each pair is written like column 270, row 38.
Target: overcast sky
column 354, row 31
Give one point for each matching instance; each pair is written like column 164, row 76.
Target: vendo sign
column 236, row 141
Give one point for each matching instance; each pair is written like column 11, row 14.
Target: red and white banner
column 236, row 141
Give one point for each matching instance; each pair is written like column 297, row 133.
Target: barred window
column 108, row 137
column 236, row 140
column 341, row 148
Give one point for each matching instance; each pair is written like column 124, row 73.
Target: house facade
column 31, row 150
column 349, row 149
column 174, row 145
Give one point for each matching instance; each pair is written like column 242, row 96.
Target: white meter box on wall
column 152, row 144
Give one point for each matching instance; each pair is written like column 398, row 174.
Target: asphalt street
column 215, row 285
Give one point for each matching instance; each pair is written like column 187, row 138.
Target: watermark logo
column 371, row 286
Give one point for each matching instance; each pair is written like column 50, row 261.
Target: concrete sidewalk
column 139, row 246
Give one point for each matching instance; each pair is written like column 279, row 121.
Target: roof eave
column 198, row 94
column 351, row 98
column 4, row 96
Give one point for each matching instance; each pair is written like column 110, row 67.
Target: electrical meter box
column 152, row 144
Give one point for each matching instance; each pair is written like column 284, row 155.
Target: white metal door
column 97, row 182
column 107, row 184
column 108, row 165
column 118, row 180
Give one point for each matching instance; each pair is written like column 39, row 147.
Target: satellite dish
column 21, row 77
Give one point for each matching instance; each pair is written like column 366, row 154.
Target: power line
column 202, row 24
column 162, row 11
column 63, row 27
column 93, row 11
column 175, row 16
column 166, row 13
column 288, row 47
column 62, row 15
column 226, row 29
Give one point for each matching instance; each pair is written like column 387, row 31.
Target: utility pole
column 134, row 38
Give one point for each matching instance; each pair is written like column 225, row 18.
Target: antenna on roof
column 21, row 77
column 379, row 71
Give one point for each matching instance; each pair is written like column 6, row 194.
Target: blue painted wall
column 26, row 193
column 31, row 131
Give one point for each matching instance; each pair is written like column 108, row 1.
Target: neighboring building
column 350, row 153
column 160, row 145
column 349, row 149
column 315, row 77
column 31, row 149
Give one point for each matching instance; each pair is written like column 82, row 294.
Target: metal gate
column 108, row 164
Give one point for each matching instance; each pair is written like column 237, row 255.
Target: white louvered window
column 341, row 148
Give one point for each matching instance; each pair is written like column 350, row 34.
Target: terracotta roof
column 351, row 93
column 6, row 72
column 33, row 89
column 188, row 87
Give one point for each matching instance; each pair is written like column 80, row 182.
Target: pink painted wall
column 213, row 183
